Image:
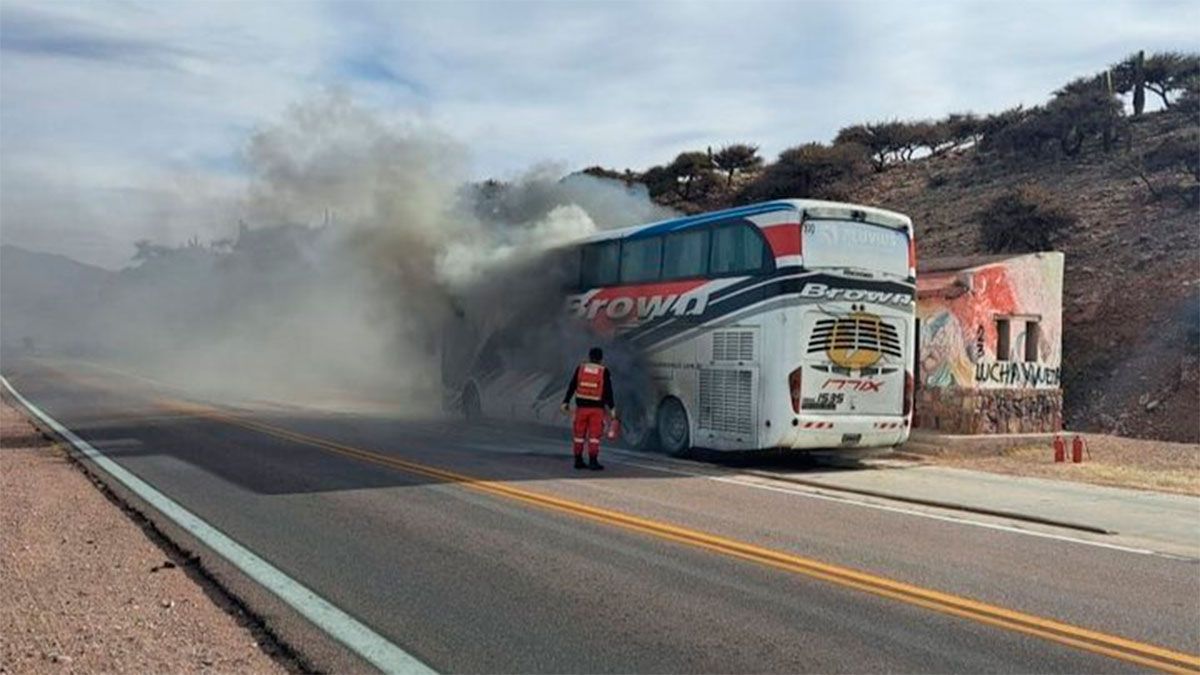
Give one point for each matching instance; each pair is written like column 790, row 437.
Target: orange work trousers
column 587, row 428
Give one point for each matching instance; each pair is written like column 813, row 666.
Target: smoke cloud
column 360, row 243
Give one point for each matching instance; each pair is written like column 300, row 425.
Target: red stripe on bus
column 642, row 290
column 784, row 239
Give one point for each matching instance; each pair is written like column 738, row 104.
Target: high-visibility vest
column 589, row 382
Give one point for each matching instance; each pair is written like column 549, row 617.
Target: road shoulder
column 85, row 587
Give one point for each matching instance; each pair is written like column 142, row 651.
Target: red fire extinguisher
column 1077, row 448
column 1060, row 449
column 614, row 429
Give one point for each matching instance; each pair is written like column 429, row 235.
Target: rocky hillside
column 1131, row 306
column 1132, row 289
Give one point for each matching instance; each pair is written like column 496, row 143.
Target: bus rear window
column 849, row 243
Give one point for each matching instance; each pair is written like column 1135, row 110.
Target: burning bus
column 786, row 324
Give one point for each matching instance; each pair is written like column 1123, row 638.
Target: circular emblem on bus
column 856, row 341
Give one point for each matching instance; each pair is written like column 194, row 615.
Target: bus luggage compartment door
column 853, row 363
column 727, row 414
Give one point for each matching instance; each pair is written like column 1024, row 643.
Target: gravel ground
column 84, row 588
column 1113, row 460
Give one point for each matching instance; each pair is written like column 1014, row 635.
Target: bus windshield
column 851, row 243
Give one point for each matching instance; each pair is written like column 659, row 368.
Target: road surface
column 480, row 549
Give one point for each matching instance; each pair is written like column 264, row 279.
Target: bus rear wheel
column 674, row 436
column 637, row 430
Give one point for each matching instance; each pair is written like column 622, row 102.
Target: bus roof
column 813, row 207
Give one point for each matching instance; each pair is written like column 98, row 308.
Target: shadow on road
column 304, row 452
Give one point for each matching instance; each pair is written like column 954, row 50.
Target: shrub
column 1081, row 110
column 1179, row 160
column 892, row 142
column 937, row 180
column 1188, row 102
column 1022, row 220
column 659, row 181
column 809, row 170
column 690, row 168
column 1018, row 132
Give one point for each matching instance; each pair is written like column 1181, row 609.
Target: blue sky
column 123, row 120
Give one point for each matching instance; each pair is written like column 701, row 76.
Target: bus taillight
column 912, row 253
column 908, row 393
column 794, row 385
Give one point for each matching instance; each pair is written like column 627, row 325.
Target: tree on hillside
column 962, row 128
column 598, row 171
column 936, row 137
column 996, row 122
column 690, row 167
column 880, row 140
column 1131, row 74
column 1083, row 109
column 1016, row 131
column 737, row 157
column 1168, row 72
column 809, row 170
column 1164, row 74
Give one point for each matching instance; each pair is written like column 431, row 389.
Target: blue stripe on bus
column 784, row 283
column 694, row 221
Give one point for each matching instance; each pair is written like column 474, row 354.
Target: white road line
column 356, row 636
column 812, row 494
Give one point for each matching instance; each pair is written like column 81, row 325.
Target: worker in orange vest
column 593, row 391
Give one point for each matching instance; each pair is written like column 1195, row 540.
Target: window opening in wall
column 1032, row 338
column 1001, row 339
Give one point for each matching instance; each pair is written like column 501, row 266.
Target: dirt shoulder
column 84, row 588
column 1111, row 460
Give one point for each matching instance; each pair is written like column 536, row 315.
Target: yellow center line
column 1075, row 636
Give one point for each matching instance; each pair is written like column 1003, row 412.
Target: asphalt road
column 466, row 577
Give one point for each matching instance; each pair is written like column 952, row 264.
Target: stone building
column 990, row 344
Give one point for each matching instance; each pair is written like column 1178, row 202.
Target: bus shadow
column 299, row 454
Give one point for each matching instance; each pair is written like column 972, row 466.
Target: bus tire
column 471, row 408
column 674, row 435
column 638, row 431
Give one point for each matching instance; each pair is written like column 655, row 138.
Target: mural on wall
column 959, row 334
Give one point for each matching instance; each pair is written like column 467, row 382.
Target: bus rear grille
column 733, row 345
column 726, row 401
column 855, row 333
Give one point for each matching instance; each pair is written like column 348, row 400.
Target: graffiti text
column 1016, row 373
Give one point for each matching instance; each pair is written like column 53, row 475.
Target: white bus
column 787, row 324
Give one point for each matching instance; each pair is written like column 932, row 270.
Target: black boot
column 579, row 462
column 594, row 465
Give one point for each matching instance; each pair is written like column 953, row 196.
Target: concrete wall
column 964, row 385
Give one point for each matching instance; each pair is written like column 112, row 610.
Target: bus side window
column 641, row 260
column 736, row 248
column 685, row 254
column 601, row 263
